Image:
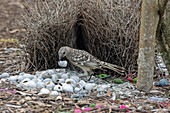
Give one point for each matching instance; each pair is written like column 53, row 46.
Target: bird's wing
column 83, row 58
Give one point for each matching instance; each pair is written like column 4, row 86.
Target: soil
column 9, row 12
column 16, row 102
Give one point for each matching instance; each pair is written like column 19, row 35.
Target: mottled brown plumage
column 86, row 61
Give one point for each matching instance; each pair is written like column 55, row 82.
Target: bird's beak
column 60, row 58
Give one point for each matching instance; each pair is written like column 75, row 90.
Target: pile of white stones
column 55, row 81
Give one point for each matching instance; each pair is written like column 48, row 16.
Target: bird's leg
column 91, row 74
column 88, row 72
column 85, row 73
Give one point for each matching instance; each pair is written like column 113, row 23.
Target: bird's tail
column 115, row 68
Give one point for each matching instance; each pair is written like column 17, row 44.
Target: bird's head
column 63, row 51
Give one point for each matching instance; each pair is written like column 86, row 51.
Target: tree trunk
column 149, row 23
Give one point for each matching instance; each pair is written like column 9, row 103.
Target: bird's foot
column 90, row 77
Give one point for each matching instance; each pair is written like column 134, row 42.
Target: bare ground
column 17, row 102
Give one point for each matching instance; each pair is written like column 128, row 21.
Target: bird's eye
column 63, row 52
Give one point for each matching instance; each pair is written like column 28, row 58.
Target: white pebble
column 44, row 91
column 54, row 93
column 49, row 85
column 77, row 89
column 64, row 76
column 102, row 87
column 60, row 74
column 20, row 78
column 71, row 82
column 61, row 70
column 140, row 107
column 54, row 78
column 40, row 85
column 12, row 78
column 21, row 73
column 89, row 86
column 27, row 98
column 47, row 80
column 38, row 73
column 113, row 96
column 60, row 81
column 25, row 80
column 81, row 84
column 45, row 75
column 35, row 79
column 58, row 88
column 29, row 76
column 75, row 78
column 4, row 75
column 30, row 84
column 51, row 71
column 68, row 88
column 59, row 98
column 3, row 80
column 63, row 63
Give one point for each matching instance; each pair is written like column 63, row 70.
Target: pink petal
column 88, row 109
column 123, row 107
column 77, row 111
column 130, row 79
column 98, row 106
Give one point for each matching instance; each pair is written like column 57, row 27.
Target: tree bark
column 149, row 23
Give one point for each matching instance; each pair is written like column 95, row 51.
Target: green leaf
column 118, row 81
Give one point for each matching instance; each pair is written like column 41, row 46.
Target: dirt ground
column 9, row 12
column 9, row 15
column 12, row 102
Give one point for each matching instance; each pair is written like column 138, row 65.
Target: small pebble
column 140, row 108
column 49, row 85
column 54, row 93
column 68, row 88
column 52, row 71
column 54, row 78
column 60, row 81
column 30, row 84
column 40, row 85
column 102, row 87
column 58, row 88
column 77, row 96
column 81, row 84
column 63, row 63
column 25, row 80
column 157, row 99
column 12, row 78
column 77, row 89
column 72, row 82
column 4, row 75
column 59, row 98
column 45, row 75
column 20, row 78
column 29, row 76
column 27, row 98
column 47, row 80
column 44, row 91
column 64, row 76
column 163, row 82
column 89, row 86
column 75, row 78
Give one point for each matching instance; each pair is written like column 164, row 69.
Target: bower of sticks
column 108, row 29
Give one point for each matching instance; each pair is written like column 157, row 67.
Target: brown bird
column 86, row 61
